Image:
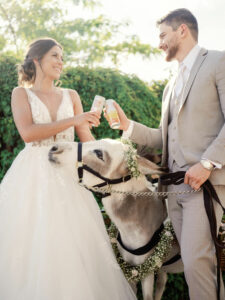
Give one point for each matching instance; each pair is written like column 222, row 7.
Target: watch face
column 207, row 165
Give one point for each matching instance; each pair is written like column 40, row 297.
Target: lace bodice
column 40, row 115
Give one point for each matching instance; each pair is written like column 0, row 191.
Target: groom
column 192, row 136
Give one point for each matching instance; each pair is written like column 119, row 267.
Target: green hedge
column 140, row 102
column 10, row 142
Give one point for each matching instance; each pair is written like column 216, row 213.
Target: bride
column 54, row 245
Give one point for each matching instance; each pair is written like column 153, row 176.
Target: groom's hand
column 124, row 121
column 196, row 176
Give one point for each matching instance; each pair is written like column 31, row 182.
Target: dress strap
column 68, row 96
column 29, row 94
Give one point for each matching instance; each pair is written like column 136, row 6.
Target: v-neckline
column 46, row 108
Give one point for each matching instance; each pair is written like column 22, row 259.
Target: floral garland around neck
column 152, row 263
column 131, row 158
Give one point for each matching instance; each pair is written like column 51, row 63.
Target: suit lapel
column 167, row 101
column 165, row 115
column 201, row 57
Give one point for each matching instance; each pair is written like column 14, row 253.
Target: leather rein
column 209, row 195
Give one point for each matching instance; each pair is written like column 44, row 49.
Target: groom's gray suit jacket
column 200, row 119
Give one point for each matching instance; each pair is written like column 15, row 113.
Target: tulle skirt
column 53, row 242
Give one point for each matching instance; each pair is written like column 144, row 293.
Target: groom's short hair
column 181, row 16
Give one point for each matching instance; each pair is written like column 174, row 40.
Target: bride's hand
column 124, row 121
column 90, row 117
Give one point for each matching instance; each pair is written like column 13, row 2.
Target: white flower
column 113, row 240
column 131, row 158
column 158, row 262
column 134, row 272
column 168, row 233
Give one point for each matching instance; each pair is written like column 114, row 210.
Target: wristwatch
column 207, row 164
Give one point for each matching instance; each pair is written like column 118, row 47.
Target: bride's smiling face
column 51, row 64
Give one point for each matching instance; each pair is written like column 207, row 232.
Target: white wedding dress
column 53, row 243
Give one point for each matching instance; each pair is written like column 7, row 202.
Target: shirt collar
column 191, row 57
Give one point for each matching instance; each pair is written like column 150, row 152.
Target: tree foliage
column 85, row 41
column 87, row 3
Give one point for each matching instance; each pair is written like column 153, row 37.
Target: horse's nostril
column 54, row 148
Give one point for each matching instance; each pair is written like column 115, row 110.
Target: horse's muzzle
column 52, row 154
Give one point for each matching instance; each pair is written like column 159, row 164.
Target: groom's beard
column 172, row 51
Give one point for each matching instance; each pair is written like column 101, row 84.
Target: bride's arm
column 82, row 130
column 34, row 132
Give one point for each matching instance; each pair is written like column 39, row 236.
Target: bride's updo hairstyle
column 36, row 50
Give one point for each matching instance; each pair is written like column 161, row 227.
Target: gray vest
column 174, row 151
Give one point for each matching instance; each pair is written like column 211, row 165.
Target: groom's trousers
column 191, row 225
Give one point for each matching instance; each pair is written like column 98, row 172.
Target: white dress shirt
column 187, row 64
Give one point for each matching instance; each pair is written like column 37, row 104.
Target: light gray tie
column 180, row 81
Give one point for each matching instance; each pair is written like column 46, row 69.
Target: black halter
column 106, row 181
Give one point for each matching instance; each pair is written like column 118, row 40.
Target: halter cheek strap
column 80, row 162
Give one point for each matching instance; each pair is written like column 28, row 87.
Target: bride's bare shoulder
column 19, row 95
column 18, row 91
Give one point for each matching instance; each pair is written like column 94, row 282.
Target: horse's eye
column 99, row 154
column 54, row 148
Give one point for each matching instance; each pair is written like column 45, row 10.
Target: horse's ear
column 149, row 154
column 147, row 167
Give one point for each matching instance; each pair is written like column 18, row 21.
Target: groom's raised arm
column 143, row 135
column 139, row 133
